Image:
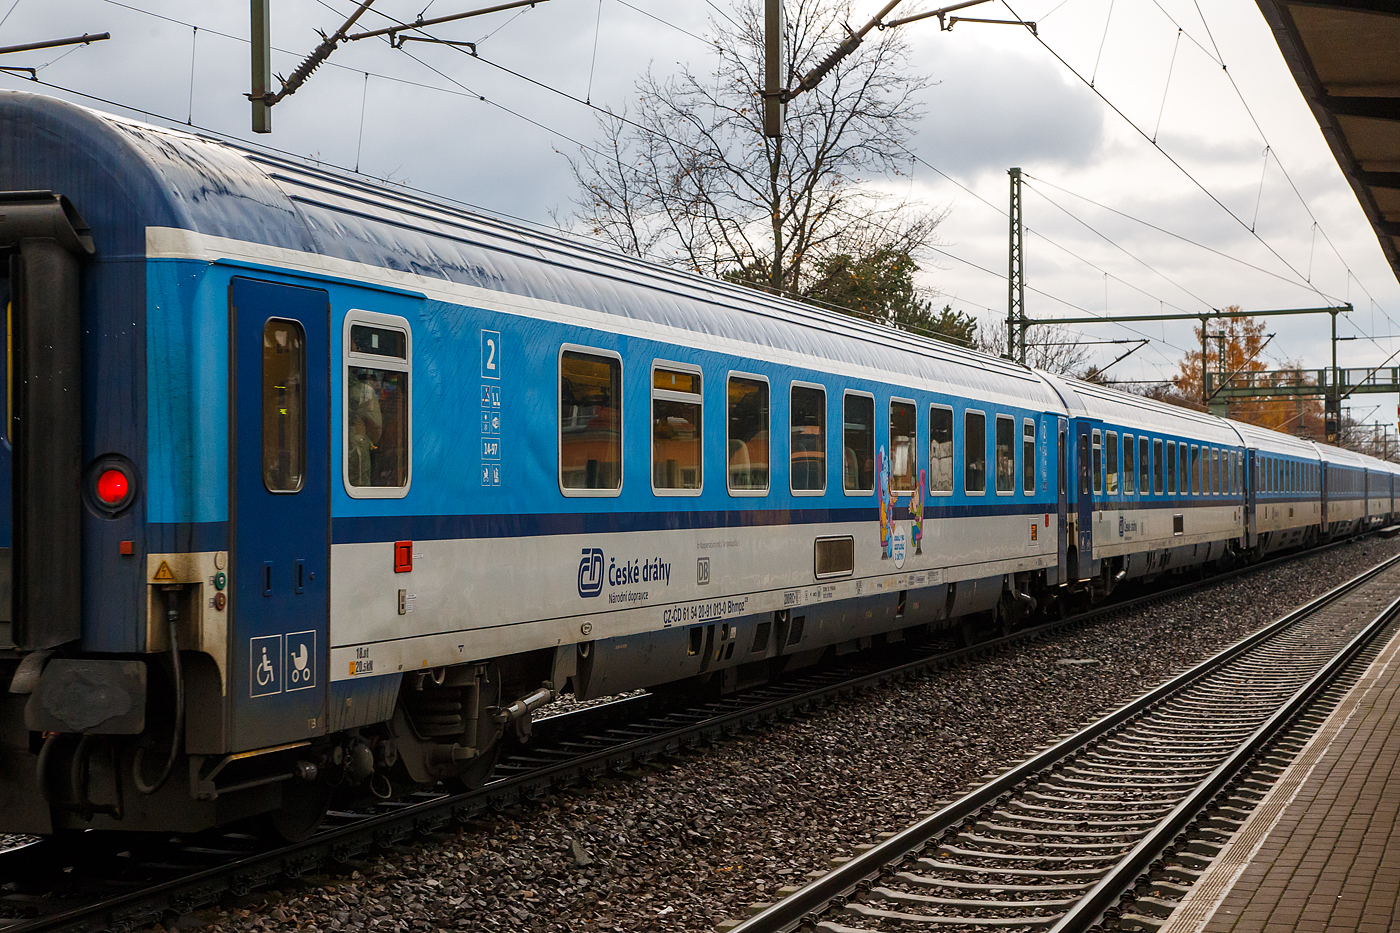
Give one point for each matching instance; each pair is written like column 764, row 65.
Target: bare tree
column 686, row 175
column 1048, row 347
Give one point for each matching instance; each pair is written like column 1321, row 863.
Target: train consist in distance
column 316, row 486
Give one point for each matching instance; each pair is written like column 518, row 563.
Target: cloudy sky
column 997, row 97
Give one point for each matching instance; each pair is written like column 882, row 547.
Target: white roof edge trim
column 173, row 243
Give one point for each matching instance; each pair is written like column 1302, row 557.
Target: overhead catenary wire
column 1114, row 243
column 1170, row 158
column 537, row 123
column 1218, row 58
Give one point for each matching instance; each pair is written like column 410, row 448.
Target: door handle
column 267, row 578
column 301, row 577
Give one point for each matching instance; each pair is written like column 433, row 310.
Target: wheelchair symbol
column 264, row 662
column 264, row 672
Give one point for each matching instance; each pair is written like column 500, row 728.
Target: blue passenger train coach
column 315, row 486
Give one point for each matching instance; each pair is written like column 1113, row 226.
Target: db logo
column 590, row 572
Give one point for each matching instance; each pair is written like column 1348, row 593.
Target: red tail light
column 113, row 486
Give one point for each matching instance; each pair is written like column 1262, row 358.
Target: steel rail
column 1111, row 888
column 339, row 844
column 863, row 870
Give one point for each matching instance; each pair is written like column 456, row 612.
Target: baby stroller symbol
column 300, row 671
column 301, row 660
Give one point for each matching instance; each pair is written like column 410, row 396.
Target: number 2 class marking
column 490, row 354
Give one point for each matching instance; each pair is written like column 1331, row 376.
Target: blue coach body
column 361, row 478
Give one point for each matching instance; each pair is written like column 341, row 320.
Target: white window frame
column 826, row 437
column 666, row 395
column 952, row 455
column 621, row 424
column 1035, row 450
column 875, row 480
column 889, row 442
column 748, row 493
column 349, row 358
column 1015, row 450
column 987, row 463
column 1096, row 463
column 1125, row 476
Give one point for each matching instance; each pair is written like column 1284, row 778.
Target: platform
column 1321, row 853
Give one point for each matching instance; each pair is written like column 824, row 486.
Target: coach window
column 858, row 443
column 1112, row 483
column 1214, row 471
column 590, row 422
column 1028, row 457
column 677, row 430
column 378, row 419
column 940, row 450
column 807, row 447
column 1129, row 466
column 1158, row 467
column 1097, row 462
column 974, row 453
column 1194, row 469
column 1006, row 455
column 1143, row 465
column 746, row 439
column 1183, row 462
column 283, row 405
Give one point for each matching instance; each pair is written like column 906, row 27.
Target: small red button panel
column 403, row 556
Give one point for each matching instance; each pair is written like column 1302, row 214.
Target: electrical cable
column 1169, row 157
column 8, row 12
column 1115, row 244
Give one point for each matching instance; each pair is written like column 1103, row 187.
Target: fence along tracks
column 117, row 884
column 1059, row 842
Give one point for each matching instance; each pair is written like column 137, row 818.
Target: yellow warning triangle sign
column 164, row 574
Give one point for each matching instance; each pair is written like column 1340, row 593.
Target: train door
column 1083, row 463
column 1062, row 496
column 1250, row 523
column 279, row 506
column 1326, row 494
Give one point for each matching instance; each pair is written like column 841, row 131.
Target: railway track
column 1093, row 832
column 112, row 882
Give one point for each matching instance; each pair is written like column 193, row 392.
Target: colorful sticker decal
column 916, row 515
column 882, row 488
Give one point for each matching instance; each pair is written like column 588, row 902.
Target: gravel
column 685, row 845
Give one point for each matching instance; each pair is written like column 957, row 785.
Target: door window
column 283, row 405
column 1028, row 457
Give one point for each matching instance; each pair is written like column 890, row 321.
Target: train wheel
column 303, row 807
column 474, row 772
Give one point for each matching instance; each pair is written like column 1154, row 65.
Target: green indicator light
column 220, row 580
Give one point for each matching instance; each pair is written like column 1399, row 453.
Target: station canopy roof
column 1345, row 56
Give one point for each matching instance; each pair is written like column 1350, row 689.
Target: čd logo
column 590, row 572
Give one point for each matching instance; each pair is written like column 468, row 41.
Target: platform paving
column 1321, row 853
